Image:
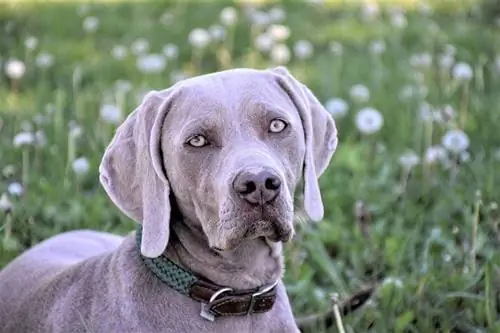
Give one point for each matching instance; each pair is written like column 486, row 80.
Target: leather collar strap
column 215, row 300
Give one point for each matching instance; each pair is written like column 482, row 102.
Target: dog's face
column 233, row 163
column 230, row 148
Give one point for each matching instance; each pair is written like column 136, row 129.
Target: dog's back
column 43, row 267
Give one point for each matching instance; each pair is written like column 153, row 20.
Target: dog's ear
column 320, row 137
column 132, row 171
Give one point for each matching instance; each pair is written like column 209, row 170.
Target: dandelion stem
column 25, row 166
column 336, row 313
column 475, row 224
column 7, row 233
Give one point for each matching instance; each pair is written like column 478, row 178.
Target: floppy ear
column 132, row 172
column 320, row 137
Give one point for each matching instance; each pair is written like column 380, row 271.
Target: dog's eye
column 277, row 125
column 197, row 141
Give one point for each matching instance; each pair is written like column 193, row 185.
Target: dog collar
column 215, row 300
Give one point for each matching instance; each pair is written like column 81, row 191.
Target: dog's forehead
column 233, row 93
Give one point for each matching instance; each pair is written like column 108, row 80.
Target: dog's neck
column 253, row 264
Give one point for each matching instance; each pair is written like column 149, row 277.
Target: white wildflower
column 280, row 54
column 139, row 46
column 359, row 93
column 8, row 171
column 425, row 111
column 15, row 189
column 446, row 61
column 23, row 138
column 199, row 38
column 377, row 47
column 75, row 131
column 421, row 60
column 167, row 18
column 462, row 71
column 303, row 49
column 90, row 24
column 259, row 18
column 455, row 141
column 123, row 86
column 337, row 107
column 44, row 60
column 5, row 204
column 31, row 42
column 81, row 166
column 171, row 51
column 119, row 52
column 276, row 14
column 396, row 282
column 448, row 113
column 217, row 32
column 370, row 10
column 263, row 42
column 464, row 156
column 40, row 138
column 151, row 63
column 228, row 16
column 111, row 113
column 82, row 9
column 398, row 20
column 15, row 69
column 409, row 160
column 279, row 32
column 336, row 48
column 368, row 120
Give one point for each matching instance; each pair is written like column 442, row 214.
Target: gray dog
column 208, row 168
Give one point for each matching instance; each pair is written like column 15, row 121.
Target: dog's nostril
column 272, row 183
column 249, row 187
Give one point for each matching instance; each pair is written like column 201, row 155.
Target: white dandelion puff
column 409, row 160
column 337, row 107
column 5, row 204
column 171, row 51
column 279, row 32
column 199, row 38
column 263, row 42
column 81, row 166
column 462, row 71
column 303, row 49
column 139, row 46
column 368, row 120
column 23, row 139
column 44, row 60
column 119, row 52
column 359, row 93
column 228, row 16
column 151, row 63
column 111, row 113
column 90, row 24
column 15, row 69
column 455, row 141
column 31, row 42
column 280, row 54
column 15, row 189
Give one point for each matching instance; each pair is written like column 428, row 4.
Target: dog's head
column 229, row 149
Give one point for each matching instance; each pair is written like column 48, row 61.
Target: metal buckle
column 262, row 290
column 206, row 308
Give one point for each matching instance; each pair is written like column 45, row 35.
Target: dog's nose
column 257, row 188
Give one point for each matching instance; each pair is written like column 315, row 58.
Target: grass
column 426, row 235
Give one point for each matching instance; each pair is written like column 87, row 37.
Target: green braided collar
column 168, row 271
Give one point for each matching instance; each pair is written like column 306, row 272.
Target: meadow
column 411, row 195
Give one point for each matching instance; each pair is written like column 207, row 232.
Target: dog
column 208, row 169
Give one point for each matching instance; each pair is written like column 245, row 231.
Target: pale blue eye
column 277, row 125
column 198, row 141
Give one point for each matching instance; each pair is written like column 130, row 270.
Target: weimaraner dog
column 208, row 169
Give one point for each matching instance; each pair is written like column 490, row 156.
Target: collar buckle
column 206, row 308
column 262, row 290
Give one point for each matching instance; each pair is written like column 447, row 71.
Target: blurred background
column 410, row 195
